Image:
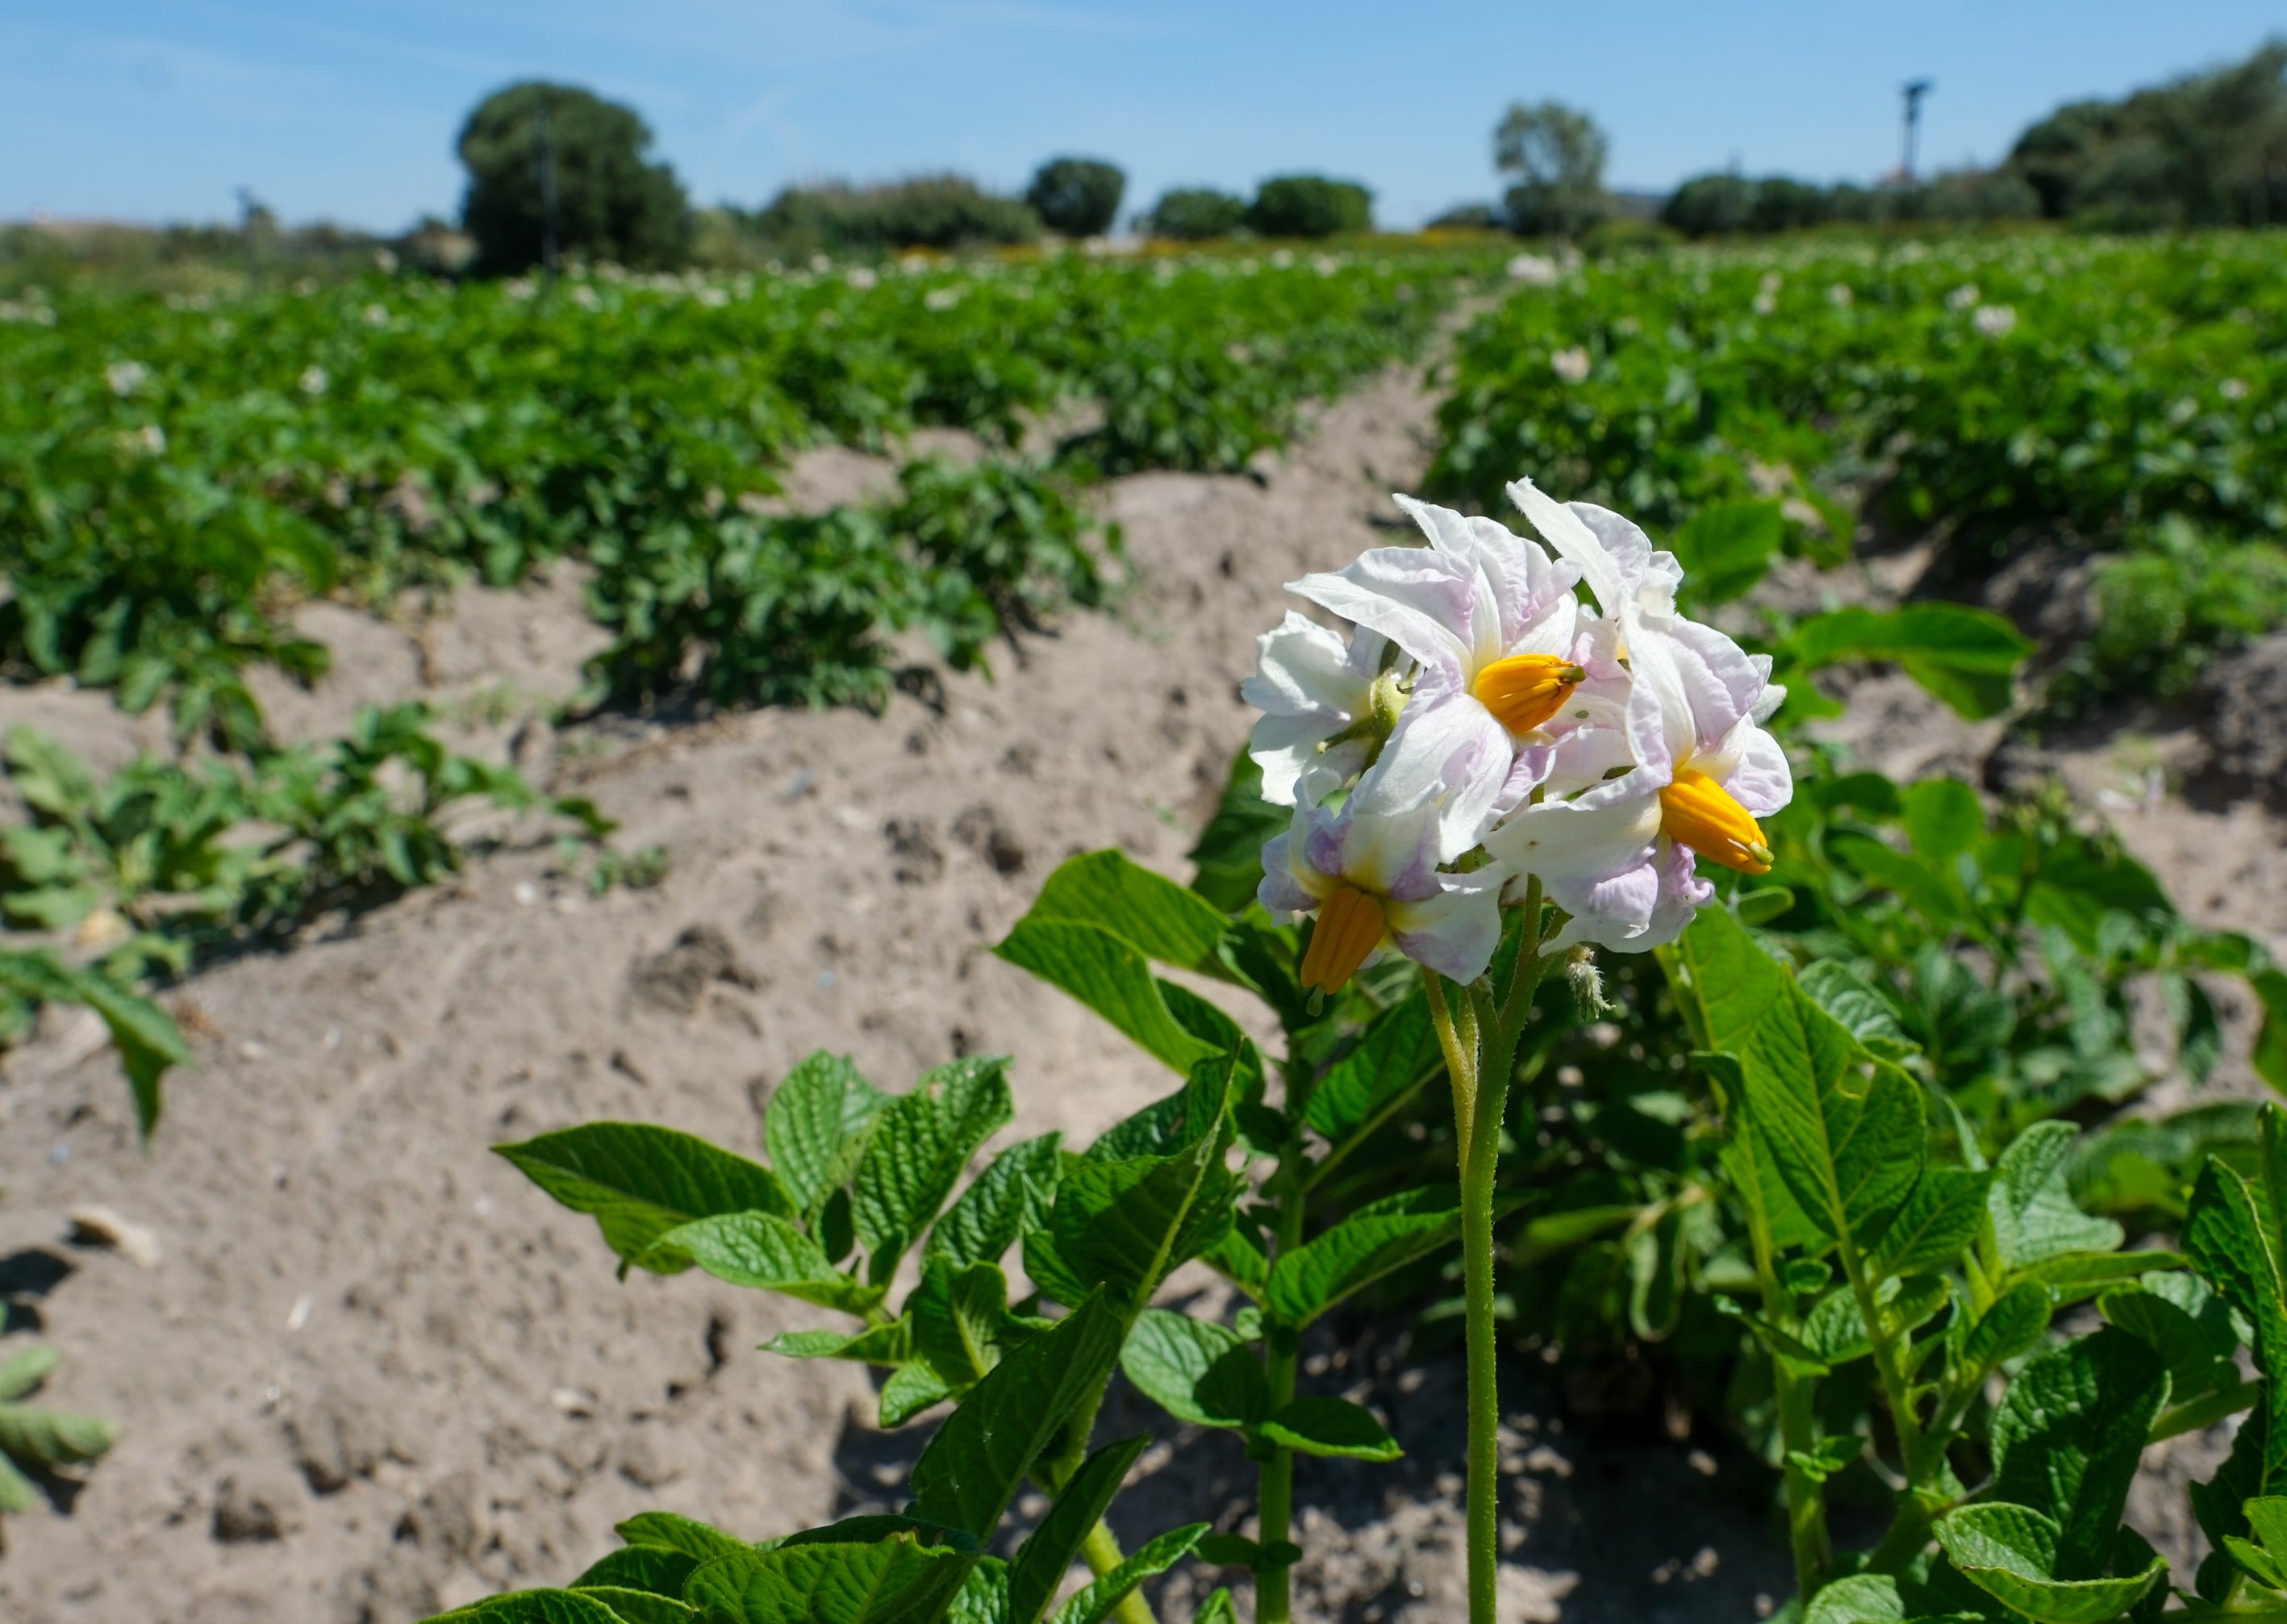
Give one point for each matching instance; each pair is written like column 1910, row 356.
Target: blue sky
column 159, row 109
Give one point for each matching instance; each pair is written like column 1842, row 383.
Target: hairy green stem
column 1101, row 1551
column 1480, row 1046
column 1275, row 1495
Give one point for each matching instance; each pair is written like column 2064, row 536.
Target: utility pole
column 1914, row 91
column 546, row 156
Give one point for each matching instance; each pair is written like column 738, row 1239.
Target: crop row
column 2128, row 398
column 173, row 473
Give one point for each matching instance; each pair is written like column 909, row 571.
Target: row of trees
column 557, row 169
column 2205, row 149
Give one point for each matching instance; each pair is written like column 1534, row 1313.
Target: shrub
column 1710, row 205
column 2208, row 149
column 1193, row 214
column 610, row 204
column 1466, row 216
column 1078, row 197
column 1557, row 155
column 943, row 212
column 1309, row 206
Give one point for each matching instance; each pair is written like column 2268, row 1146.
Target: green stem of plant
column 1910, row 1531
column 1275, row 1493
column 1480, row 1054
column 1101, row 1551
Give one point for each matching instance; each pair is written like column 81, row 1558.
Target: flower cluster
column 1483, row 727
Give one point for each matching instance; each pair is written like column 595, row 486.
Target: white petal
column 1562, row 528
column 1455, row 931
column 1563, row 840
column 1301, row 668
column 1286, row 748
column 1631, row 551
column 1419, row 598
column 1722, row 683
column 1612, row 912
column 1448, row 750
column 1760, row 778
column 1281, row 890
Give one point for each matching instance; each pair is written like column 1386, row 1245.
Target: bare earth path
column 374, row 1372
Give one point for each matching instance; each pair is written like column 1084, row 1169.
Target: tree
column 1193, row 214
column 1078, row 197
column 2207, row 149
column 940, row 211
column 610, row 204
column 1309, row 206
column 1557, row 156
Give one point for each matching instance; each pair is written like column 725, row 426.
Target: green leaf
column 533, row 1607
column 1013, row 1194
column 2270, row 1055
column 982, row 1597
column 2014, row 1325
column 2010, row 1552
column 1828, row 1457
column 638, row 1606
column 1939, row 1221
column 966, row 1476
column 910, row 1390
column 1159, row 918
column 1929, row 890
column 1378, row 1237
column 1228, row 855
column 1861, row 1598
column 816, row 1124
column 1834, row 1331
column 921, row 1143
column 1125, row 1220
column 2034, row 1217
column 961, row 1323
column 2254, row 1561
column 671, row 1531
column 42, row 1438
column 1842, row 1132
column 1217, row 1608
column 2067, row 1435
column 1839, row 990
column 656, row 1569
column 1324, row 1426
column 145, row 1037
column 766, row 1253
column 868, row 1570
column 2186, row 1324
column 1196, row 1370
column 639, row 1182
column 1111, row 976
column 1965, row 656
column 1396, row 1056
column 25, row 1371
column 1726, row 547
column 2267, row 1517
column 1041, row 1562
column 1943, row 818
column 878, row 1344
column 1094, row 1602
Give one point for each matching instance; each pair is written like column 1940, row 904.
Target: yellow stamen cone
column 1525, row 690
column 1697, row 812
column 1349, row 927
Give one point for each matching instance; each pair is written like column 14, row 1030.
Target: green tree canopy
column 1557, row 155
column 610, row 202
column 1078, row 197
column 1309, row 206
column 1193, row 214
column 2208, row 149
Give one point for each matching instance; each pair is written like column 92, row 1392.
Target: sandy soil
column 374, row 1372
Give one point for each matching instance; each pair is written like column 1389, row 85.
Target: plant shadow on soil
column 1613, row 1521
